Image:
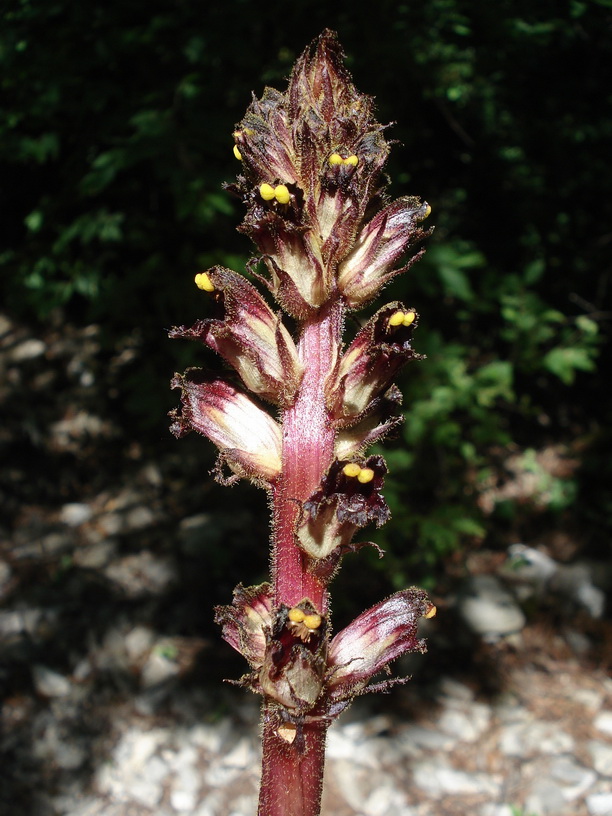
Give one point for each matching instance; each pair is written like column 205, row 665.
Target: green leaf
column 564, row 362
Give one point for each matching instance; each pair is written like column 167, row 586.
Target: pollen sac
column 366, row 368
column 342, row 504
column 249, row 336
column 248, row 438
column 378, row 636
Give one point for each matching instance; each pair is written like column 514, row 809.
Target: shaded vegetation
column 115, row 139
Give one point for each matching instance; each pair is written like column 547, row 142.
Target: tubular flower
column 375, row 638
column 369, row 265
column 370, row 362
column 349, row 498
column 381, row 418
column 248, row 438
column 247, row 621
column 250, row 337
column 286, row 647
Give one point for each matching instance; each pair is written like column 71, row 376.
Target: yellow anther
column 354, row 160
column 296, row 615
column 248, row 131
column 312, row 621
column 365, row 475
column 282, row 194
column 408, row 318
column 431, row 612
column 351, row 470
column 203, row 281
column 266, row 191
column 397, row 318
column 427, row 212
column 335, row 158
column 237, row 153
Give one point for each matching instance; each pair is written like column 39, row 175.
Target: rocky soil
column 112, row 555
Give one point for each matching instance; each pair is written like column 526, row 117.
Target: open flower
column 374, row 357
column 286, row 647
column 375, row 638
column 248, row 438
column 349, row 498
column 381, row 243
column 250, row 337
column 246, row 622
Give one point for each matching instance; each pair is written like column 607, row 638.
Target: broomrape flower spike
column 328, row 240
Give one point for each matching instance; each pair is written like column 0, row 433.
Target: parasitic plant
column 329, row 240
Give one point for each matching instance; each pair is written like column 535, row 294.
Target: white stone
column 157, row 669
column 589, row 698
column 448, row 687
column 75, row 513
column 574, row 779
column 241, row 755
column 138, row 641
column 50, row 683
column 156, row 770
column 467, row 724
column 135, row 748
column 438, row 779
column 603, row 722
column 416, row 738
column 535, row 739
column 183, row 801
column 386, row 801
column 601, row 753
column 27, row 350
column 145, row 791
column 599, row 804
column 545, row 799
column 356, row 783
column 95, row 555
column 488, row 608
column 211, row 737
column 211, row 805
column 497, row 810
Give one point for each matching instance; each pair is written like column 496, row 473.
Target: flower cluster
column 328, row 240
column 294, row 663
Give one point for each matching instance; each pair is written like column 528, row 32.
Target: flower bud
column 248, row 438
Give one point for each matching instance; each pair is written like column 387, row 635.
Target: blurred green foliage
column 115, row 138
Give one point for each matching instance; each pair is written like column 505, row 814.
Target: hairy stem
column 308, row 450
column 292, row 772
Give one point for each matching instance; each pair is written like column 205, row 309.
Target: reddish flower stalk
column 330, row 241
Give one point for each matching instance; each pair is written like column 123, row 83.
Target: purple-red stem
column 292, row 773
